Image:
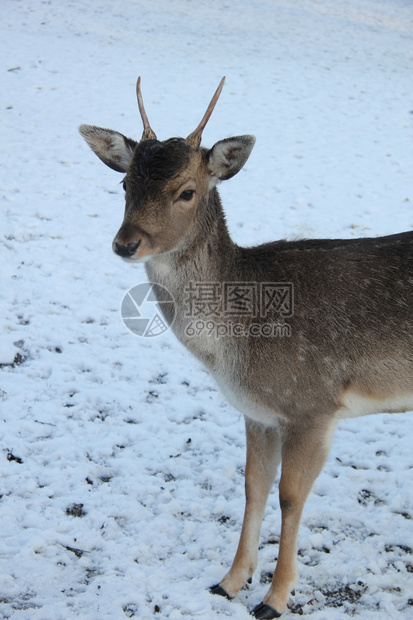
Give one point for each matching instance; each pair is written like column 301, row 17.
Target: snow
column 121, row 465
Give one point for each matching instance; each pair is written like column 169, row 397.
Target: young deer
column 338, row 319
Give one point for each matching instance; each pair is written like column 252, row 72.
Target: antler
column 194, row 139
column 148, row 133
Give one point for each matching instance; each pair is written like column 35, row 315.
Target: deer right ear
column 228, row 156
column 114, row 149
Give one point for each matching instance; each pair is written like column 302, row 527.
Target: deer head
column 167, row 183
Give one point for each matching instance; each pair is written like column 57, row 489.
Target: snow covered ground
column 121, row 490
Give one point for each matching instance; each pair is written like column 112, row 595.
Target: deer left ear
column 228, row 156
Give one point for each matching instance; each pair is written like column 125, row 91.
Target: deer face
column 166, row 183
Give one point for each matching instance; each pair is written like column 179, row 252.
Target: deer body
column 343, row 280
column 348, row 349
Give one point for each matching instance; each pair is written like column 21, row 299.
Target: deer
column 345, row 307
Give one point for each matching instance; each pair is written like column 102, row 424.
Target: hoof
column 217, row 589
column 265, row 612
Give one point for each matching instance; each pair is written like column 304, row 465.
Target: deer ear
column 114, row 149
column 227, row 157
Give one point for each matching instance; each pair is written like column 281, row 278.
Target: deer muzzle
column 127, row 250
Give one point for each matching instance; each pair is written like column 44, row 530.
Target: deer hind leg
column 303, row 455
column 263, row 457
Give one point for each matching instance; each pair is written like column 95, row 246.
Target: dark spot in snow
column 90, row 574
column 159, row 379
column 78, row 552
column 12, row 457
column 18, row 360
column 296, row 609
column 152, row 395
column 223, row 519
column 270, row 541
column 131, row 610
column 265, row 578
column 392, row 548
column 365, row 497
column 75, row 510
column 350, row 593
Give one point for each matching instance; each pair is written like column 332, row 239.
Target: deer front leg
column 263, row 457
column 303, row 455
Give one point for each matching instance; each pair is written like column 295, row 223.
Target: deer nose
column 126, row 251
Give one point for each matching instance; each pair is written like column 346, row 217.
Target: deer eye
column 124, row 185
column 187, row 195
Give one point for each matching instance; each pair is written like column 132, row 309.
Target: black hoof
column 217, row 589
column 265, row 612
